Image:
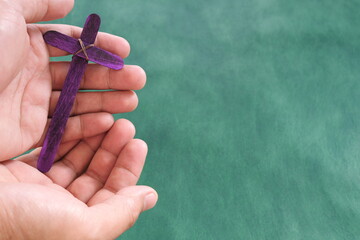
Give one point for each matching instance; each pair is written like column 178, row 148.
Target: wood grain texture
column 67, row 98
column 95, row 54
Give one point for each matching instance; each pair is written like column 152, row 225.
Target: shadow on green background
column 251, row 113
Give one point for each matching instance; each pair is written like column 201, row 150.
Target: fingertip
column 124, row 123
column 64, row 9
column 99, row 123
column 127, row 47
column 147, row 195
column 137, row 145
column 132, row 101
column 106, row 120
column 131, row 77
column 150, row 200
column 139, row 77
column 115, row 44
column 59, row 9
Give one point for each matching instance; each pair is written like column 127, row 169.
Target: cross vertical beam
column 67, row 98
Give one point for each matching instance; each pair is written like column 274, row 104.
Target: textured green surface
column 251, row 113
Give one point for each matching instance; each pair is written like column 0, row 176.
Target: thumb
column 120, row 212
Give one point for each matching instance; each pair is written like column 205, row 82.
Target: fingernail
column 149, row 201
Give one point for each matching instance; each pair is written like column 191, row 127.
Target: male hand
column 30, row 85
column 89, row 193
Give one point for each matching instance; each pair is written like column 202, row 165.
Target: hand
column 89, row 193
column 30, row 85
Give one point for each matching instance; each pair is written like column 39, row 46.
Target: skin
column 91, row 192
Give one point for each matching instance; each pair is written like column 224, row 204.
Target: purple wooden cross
column 83, row 51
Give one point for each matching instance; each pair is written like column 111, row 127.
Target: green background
column 251, row 113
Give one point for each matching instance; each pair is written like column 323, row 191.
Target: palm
column 60, row 208
column 26, row 96
column 30, row 85
column 87, row 177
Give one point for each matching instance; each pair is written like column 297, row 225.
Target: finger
column 71, row 159
column 43, row 10
column 120, row 212
column 32, row 157
column 100, row 77
column 85, row 186
column 93, row 102
column 83, row 126
column 75, row 162
column 25, row 173
column 126, row 171
column 128, row 167
column 106, row 41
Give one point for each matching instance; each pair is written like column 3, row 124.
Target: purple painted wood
column 96, row 55
column 71, row 84
column 61, row 114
